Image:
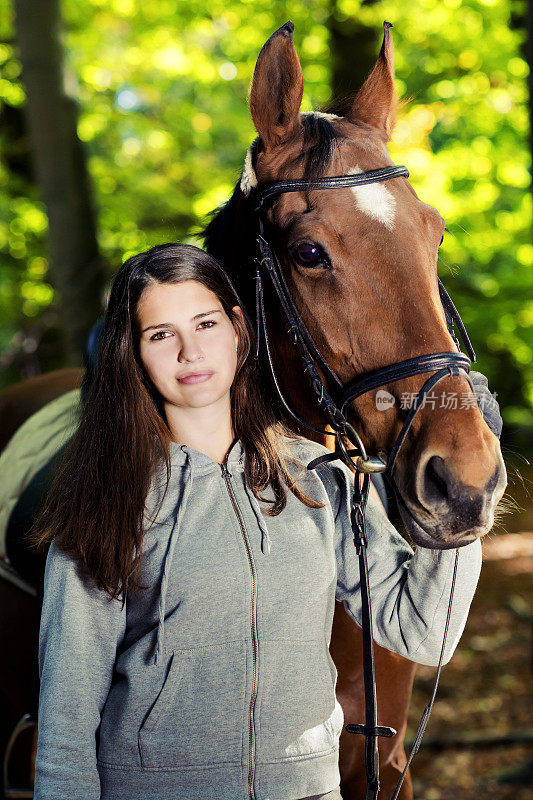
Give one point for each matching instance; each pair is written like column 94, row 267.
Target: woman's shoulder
column 64, row 574
column 303, row 450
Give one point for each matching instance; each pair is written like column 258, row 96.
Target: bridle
column 334, row 398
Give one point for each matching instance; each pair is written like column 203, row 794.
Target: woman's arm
column 409, row 592
column 81, row 628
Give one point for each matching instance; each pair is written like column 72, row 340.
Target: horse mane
column 230, row 234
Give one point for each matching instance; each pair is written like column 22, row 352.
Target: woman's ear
column 237, row 310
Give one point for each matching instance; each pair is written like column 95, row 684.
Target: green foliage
column 162, row 86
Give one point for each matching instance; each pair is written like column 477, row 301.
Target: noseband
column 334, row 398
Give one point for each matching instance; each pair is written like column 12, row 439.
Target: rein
column 334, row 398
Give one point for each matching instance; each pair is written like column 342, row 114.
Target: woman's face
column 187, row 344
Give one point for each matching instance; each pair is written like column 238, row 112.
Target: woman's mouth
column 195, row 377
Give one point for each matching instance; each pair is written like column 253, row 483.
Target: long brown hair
column 95, row 508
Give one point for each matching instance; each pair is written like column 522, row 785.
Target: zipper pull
column 225, row 471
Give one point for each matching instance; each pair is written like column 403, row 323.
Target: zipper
column 226, row 474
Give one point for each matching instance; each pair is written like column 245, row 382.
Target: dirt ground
column 479, row 741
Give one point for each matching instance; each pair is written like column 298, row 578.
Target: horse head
column 361, row 266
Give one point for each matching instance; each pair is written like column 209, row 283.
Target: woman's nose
column 190, row 351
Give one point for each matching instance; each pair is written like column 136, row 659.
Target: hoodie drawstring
column 168, row 563
column 266, row 541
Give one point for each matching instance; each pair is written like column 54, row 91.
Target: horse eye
column 309, row 255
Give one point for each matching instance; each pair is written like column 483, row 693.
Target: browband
column 334, row 182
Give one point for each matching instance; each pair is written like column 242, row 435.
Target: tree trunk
column 76, row 267
column 354, row 49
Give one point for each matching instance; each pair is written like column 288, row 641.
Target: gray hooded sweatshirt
column 216, row 682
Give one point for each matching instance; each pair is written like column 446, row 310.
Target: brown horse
column 361, row 265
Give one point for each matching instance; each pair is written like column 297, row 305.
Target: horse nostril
column 436, row 479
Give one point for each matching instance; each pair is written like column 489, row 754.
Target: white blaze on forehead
column 375, row 200
column 248, row 177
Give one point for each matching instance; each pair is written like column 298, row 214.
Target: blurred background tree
column 160, row 88
column 76, row 268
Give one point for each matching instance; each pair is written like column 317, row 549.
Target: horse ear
column 376, row 101
column 277, row 88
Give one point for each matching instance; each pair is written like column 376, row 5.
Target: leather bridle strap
column 301, row 338
column 453, row 316
column 370, row 730
column 308, row 364
column 402, row 369
column 450, row 369
column 297, row 328
column 418, row 403
column 334, row 182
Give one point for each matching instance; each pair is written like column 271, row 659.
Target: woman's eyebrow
column 207, row 313
column 170, row 325
column 159, row 325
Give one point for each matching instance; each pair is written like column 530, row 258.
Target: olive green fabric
column 29, row 450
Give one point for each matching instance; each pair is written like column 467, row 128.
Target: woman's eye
column 310, row 255
column 155, row 337
column 207, row 323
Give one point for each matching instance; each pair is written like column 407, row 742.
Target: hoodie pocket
column 298, row 709
column 197, row 718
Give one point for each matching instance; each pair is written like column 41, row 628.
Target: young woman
column 194, row 566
